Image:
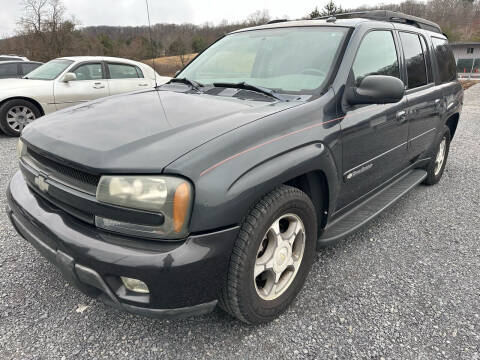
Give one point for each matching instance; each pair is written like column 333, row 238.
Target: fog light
column 135, row 285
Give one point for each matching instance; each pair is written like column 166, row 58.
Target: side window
column 7, row 70
column 445, row 60
column 123, row 71
column 414, row 59
column 376, row 56
column 26, row 68
column 428, row 61
column 89, row 72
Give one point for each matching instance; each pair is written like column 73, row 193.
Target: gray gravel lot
column 405, row 287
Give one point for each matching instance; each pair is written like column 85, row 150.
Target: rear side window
column 428, row 62
column 26, row 68
column 124, row 71
column 8, row 70
column 445, row 60
column 89, row 72
column 376, row 56
column 414, row 59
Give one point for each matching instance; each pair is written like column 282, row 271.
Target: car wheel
column 271, row 257
column 437, row 164
column 16, row 114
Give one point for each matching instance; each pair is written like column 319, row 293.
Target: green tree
column 107, row 44
column 198, row 44
column 315, row 13
column 177, row 47
column 329, row 9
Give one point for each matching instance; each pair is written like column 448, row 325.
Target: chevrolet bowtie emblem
column 41, row 182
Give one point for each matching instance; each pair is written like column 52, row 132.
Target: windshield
column 290, row 60
column 50, row 70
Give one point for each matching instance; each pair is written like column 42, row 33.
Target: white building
column 467, row 56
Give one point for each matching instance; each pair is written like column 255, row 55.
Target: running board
column 370, row 208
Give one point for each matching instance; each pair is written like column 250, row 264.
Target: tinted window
column 122, row 71
column 26, row 68
column 428, row 61
column 89, row 72
column 445, row 60
column 7, row 70
column 376, row 56
column 414, row 59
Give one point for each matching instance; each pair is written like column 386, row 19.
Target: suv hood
column 143, row 131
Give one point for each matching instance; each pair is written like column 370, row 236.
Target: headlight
column 21, row 148
column 168, row 195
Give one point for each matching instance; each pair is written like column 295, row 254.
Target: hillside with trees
column 45, row 31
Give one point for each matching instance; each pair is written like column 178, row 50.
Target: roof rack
column 391, row 16
column 275, row 21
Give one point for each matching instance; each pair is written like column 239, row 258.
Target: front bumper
column 184, row 278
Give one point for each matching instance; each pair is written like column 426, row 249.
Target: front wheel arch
column 30, row 100
column 315, row 185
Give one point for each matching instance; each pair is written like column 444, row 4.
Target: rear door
column 447, row 77
column 91, row 84
column 125, row 78
column 374, row 137
column 424, row 99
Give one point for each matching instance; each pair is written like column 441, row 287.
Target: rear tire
column 271, row 257
column 16, row 114
column 436, row 166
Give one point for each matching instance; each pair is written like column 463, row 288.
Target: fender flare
column 249, row 185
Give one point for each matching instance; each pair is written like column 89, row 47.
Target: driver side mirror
column 69, row 76
column 376, row 89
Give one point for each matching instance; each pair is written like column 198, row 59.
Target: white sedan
column 68, row 81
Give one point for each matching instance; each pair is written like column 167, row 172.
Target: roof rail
column 277, row 21
column 391, row 16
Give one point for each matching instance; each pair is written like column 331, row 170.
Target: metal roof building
column 467, row 56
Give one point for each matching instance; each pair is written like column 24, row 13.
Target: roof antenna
column 151, row 44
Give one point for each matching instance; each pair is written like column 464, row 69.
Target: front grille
column 67, row 175
column 65, row 170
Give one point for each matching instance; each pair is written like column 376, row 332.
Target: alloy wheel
column 279, row 256
column 440, row 158
column 19, row 116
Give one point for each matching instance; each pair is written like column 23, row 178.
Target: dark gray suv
column 218, row 187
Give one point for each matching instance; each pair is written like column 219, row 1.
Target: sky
column 132, row 12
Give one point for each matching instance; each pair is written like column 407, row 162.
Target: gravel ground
column 407, row 286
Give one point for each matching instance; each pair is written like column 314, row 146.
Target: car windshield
column 50, row 70
column 288, row 60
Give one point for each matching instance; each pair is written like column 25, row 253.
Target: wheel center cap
column 281, row 257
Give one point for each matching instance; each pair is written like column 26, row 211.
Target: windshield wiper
column 246, row 86
column 195, row 85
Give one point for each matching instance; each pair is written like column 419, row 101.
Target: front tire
column 436, row 166
column 272, row 256
column 16, row 114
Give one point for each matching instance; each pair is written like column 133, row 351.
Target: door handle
column 401, row 116
column 142, row 84
column 98, row 85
